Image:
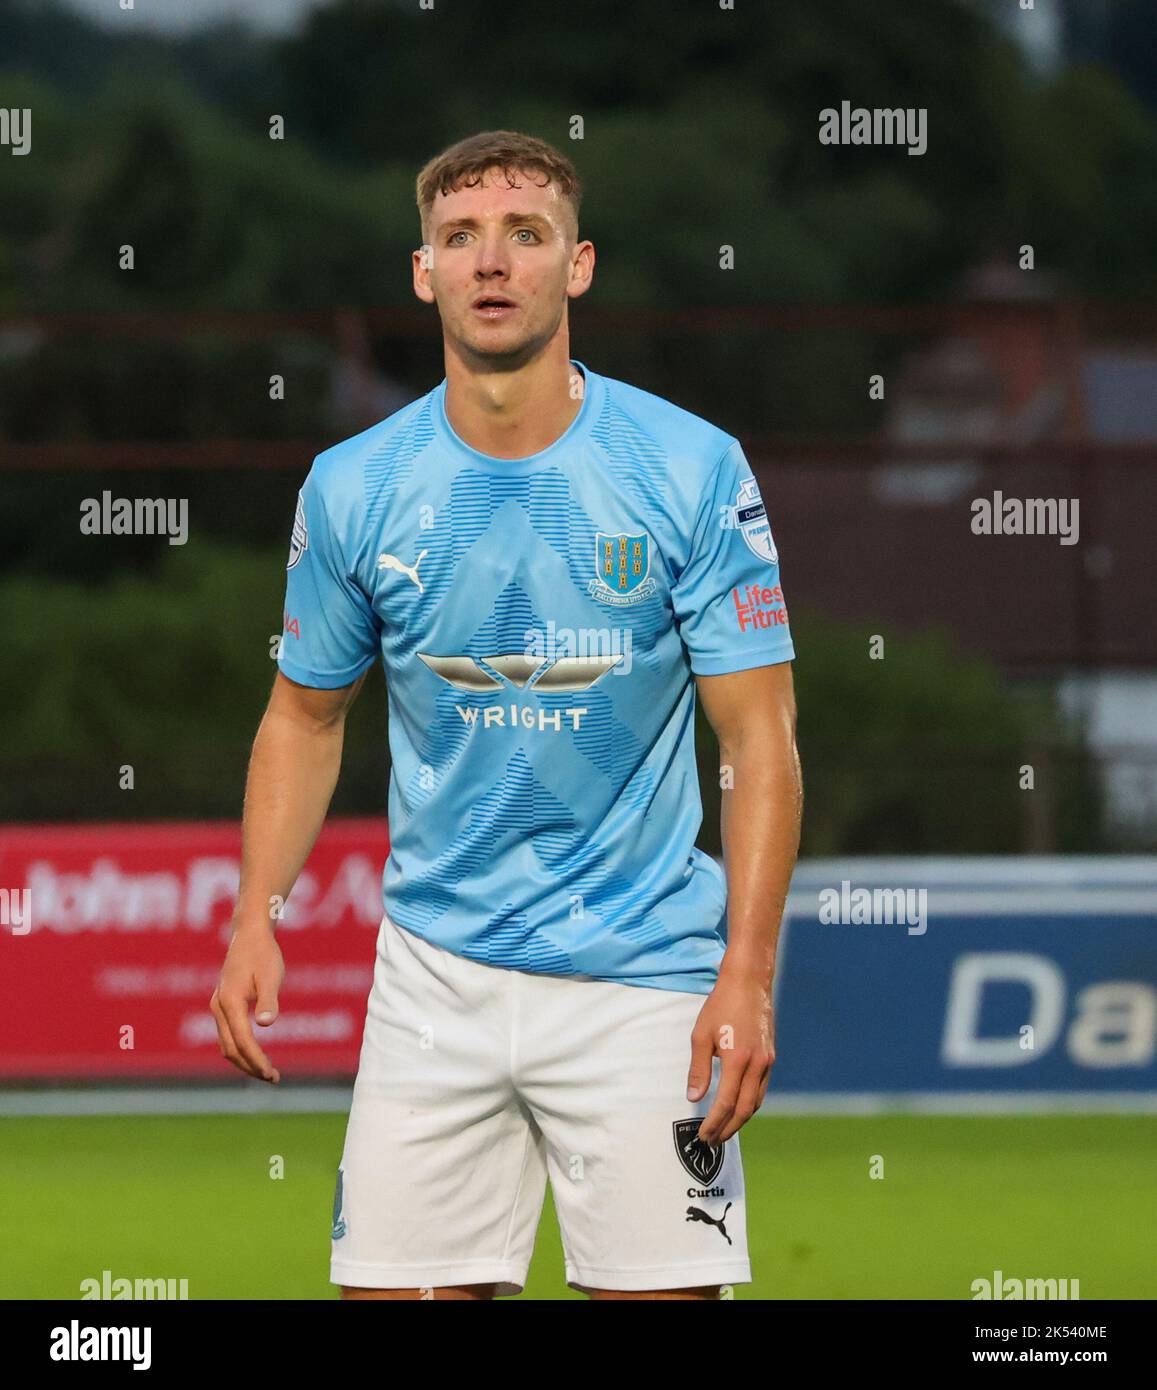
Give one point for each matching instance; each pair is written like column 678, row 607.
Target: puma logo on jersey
column 391, row 562
column 698, row 1214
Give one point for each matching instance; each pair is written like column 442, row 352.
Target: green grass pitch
column 192, row 1197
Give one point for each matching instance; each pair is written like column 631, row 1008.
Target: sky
column 1040, row 31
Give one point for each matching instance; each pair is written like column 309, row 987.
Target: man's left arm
column 753, row 715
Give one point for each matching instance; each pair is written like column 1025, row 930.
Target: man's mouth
column 494, row 306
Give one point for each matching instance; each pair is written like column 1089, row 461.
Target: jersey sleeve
column 331, row 633
column 728, row 600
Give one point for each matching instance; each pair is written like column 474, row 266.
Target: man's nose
column 493, row 258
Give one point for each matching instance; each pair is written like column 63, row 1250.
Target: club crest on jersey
column 622, row 568
column 751, row 521
column 699, row 1159
column 299, row 540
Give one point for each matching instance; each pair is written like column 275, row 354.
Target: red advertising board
column 112, row 938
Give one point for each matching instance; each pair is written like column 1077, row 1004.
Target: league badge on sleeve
column 299, row 541
column 751, row 521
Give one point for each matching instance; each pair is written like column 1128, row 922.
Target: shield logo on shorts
column 699, row 1159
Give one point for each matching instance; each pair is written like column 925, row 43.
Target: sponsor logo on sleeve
column 758, row 607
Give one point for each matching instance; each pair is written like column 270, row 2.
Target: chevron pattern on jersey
column 391, row 464
column 507, row 816
column 468, row 515
column 636, row 460
column 510, row 942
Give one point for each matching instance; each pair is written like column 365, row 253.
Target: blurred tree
column 169, row 674
column 700, row 131
column 1119, row 33
column 920, row 753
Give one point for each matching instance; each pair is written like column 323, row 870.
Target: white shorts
column 477, row 1082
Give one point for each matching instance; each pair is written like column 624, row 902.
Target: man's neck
column 511, row 415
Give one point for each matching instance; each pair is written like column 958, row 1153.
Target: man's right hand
column 292, row 773
column 252, row 974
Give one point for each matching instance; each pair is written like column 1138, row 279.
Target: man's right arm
column 292, row 774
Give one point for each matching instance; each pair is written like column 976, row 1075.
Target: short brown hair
column 508, row 150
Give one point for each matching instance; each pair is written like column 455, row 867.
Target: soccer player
column 551, row 565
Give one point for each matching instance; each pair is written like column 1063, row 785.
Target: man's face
column 512, row 245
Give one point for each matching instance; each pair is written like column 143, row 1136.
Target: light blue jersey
column 540, row 620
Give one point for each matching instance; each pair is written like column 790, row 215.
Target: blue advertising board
column 986, row 977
